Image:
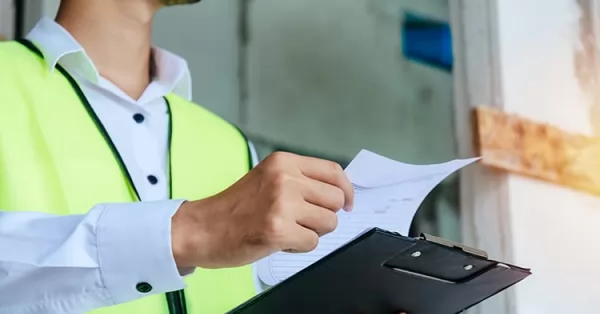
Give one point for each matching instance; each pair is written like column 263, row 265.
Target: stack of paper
column 387, row 195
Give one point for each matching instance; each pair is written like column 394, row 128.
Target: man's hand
column 284, row 204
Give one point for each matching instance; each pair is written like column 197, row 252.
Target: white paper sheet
column 387, row 195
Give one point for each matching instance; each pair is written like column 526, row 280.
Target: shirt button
column 138, row 117
column 143, row 287
column 152, row 179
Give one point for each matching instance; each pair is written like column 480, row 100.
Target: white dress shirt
column 73, row 264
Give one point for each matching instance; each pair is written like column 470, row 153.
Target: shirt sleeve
column 114, row 254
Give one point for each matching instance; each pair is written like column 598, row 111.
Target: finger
column 328, row 172
column 299, row 240
column 323, row 194
column 318, row 219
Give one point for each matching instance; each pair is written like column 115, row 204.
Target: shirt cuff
column 134, row 250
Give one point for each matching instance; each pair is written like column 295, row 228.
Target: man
column 114, row 187
column 93, row 119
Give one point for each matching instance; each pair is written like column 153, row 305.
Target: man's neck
column 116, row 35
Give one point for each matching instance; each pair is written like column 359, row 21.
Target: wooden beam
column 525, row 147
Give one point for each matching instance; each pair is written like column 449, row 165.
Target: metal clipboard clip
column 455, row 245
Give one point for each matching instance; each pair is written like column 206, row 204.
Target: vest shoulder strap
column 214, row 121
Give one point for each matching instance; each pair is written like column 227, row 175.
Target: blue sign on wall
column 427, row 41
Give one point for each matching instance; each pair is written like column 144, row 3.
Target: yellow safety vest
column 55, row 157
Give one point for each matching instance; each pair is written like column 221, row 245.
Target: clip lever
column 452, row 244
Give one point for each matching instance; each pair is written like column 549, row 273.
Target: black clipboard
column 383, row 272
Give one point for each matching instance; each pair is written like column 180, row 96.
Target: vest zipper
column 176, row 302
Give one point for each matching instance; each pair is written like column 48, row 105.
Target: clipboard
column 382, row 272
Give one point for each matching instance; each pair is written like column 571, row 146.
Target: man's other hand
column 284, row 204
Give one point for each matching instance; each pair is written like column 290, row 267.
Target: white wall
column 555, row 230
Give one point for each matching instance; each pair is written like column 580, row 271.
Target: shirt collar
column 59, row 47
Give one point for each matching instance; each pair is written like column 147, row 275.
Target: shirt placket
column 147, row 156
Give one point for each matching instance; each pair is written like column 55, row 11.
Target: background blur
column 330, row 77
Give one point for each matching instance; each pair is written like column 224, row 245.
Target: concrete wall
column 49, row 7
column 554, row 230
column 206, row 35
column 329, row 76
column 7, row 15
